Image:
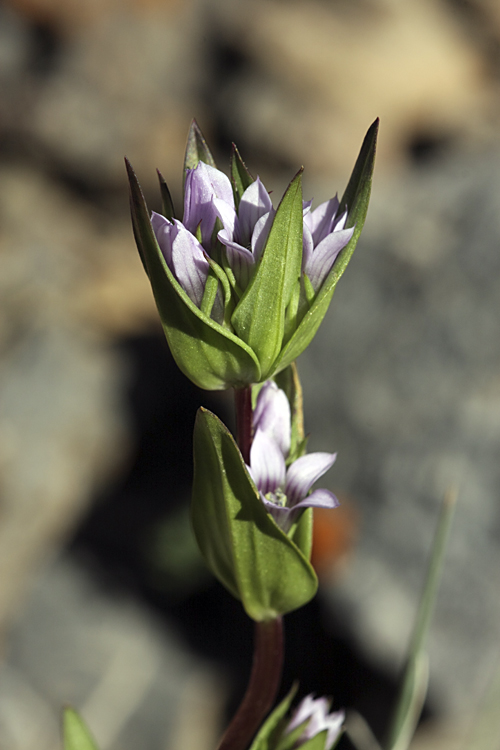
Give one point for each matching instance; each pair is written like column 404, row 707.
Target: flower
column 316, row 710
column 209, row 197
column 242, row 287
column 324, row 237
column 185, row 245
column 284, row 491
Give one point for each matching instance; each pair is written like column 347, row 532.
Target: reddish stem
column 243, row 403
column 262, row 688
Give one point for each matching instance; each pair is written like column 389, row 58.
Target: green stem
column 262, row 688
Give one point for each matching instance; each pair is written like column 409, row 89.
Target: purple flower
column 316, row 710
column 209, row 197
column 324, row 237
column 245, row 232
column 284, row 491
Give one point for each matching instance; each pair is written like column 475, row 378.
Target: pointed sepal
column 240, row 176
column 167, row 203
column 76, row 735
column 356, row 198
column 197, row 149
column 242, row 545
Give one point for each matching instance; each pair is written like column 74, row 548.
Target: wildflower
column 242, row 287
column 284, row 491
column 324, row 236
column 316, row 711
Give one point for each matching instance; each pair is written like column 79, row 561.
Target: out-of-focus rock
column 403, row 379
column 319, row 73
column 134, row 681
column 122, row 87
column 62, row 426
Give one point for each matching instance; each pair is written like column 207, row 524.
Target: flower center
column 278, row 498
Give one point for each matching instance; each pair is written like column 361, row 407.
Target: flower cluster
column 284, row 491
column 315, row 711
column 238, row 244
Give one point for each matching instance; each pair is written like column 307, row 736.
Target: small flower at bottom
column 284, row 491
column 316, row 711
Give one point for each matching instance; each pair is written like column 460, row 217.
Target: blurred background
column 104, row 602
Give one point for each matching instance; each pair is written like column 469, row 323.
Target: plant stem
column 267, row 664
column 243, row 403
column 262, row 687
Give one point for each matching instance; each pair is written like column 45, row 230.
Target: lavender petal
column 320, row 263
column 320, row 221
column 304, row 472
column 261, row 233
column 272, row 415
column 255, row 202
column 188, row 262
column 202, row 184
column 267, row 463
column 163, row 228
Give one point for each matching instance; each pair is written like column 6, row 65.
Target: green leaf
column 75, row 733
column 242, row 545
column 414, row 683
column 166, row 198
column 356, row 197
column 196, row 149
column 259, row 318
column 240, row 176
column 209, row 354
column 269, row 734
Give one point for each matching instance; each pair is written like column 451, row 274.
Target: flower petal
column 227, row 215
column 272, row 415
column 307, row 246
column 320, row 221
column 162, row 228
column 267, row 464
column 255, row 202
column 202, row 184
column 188, row 262
column 320, row 263
column 302, row 474
column 319, row 498
column 261, row 233
column 240, row 259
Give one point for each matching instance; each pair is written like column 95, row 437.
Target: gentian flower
column 242, row 287
column 284, row 491
column 324, row 236
column 316, row 710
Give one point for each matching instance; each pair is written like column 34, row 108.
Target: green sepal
column 355, row 198
column 206, row 352
column 196, row 149
column 269, row 735
column 317, row 742
column 76, row 736
column 242, row 545
column 241, row 178
column 259, row 318
column 167, row 204
column 301, row 532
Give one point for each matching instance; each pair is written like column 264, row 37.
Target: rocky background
column 103, row 601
